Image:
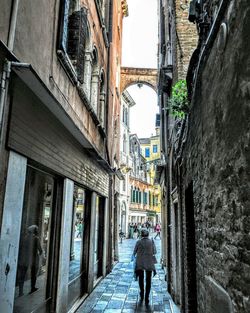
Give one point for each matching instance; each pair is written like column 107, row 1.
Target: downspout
column 7, row 64
column 111, row 193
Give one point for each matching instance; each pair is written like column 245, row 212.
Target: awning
column 5, row 53
column 29, row 76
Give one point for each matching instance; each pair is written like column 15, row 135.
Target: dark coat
column 144, row 251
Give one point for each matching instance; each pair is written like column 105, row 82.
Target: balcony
column 125, row 162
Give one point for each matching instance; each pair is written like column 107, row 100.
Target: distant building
column 151, row 151
column 139, row 183
column 125, row 161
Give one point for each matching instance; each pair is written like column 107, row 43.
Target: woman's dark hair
column 144, row 232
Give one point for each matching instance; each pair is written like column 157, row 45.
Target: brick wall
column 217, row 160
column 185, row 40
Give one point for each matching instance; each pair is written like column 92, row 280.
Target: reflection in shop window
column 77, row 234
column 33, row 275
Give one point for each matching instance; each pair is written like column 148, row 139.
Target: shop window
column 155, row 148
column 77, row 247
column 77, row 233
column 34, row 269
column 73, row 37
column 99, row 232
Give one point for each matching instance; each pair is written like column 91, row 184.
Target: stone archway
column 132, row 75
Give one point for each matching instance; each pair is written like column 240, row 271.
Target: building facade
column 205, row 178
column 125, row 161
column 178, row 40
column 59, row 105
column 151, row 150
column 143, row 193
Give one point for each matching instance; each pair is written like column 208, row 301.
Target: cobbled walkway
column 119, row 292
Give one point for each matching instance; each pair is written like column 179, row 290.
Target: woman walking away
column 145, row 251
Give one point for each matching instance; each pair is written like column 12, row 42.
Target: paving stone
column 119, row 292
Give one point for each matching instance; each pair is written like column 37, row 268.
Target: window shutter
column 77, row 36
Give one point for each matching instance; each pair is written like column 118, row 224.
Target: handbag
column 154, row 259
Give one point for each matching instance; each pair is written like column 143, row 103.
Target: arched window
column 74, row 33
column 102, row 96
column 94, row 81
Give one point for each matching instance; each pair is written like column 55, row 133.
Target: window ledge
column 68, row 67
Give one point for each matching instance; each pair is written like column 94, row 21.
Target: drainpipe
column 12, row 29
column 111, row 193
column 6, row 69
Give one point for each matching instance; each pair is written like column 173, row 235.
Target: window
column 145, row 197
column 147, row 152
column 156, row 200
column 124, row 143
column 73, row 37
column 123, row 114
column 124, row 185
column 102, row 93
column 94, row 81
column 77, row 233
column 139, row 196
column 133, row 199
column 155, row 148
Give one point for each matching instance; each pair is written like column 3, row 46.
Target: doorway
column 99, row 237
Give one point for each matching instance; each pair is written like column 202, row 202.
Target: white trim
column 66, row 225
column 11, row 227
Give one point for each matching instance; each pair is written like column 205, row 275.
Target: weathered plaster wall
column 217, row 160
column 5, row 13
column 36, row 43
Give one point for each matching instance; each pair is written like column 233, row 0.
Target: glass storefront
column 99, row 229
column 78, row 235
column 32, row 290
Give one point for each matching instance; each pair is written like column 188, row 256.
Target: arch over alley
column 132, row 75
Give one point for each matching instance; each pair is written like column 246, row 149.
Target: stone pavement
column 119, row 292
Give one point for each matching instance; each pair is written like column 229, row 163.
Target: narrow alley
column 119, row 292
column 119, row 116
